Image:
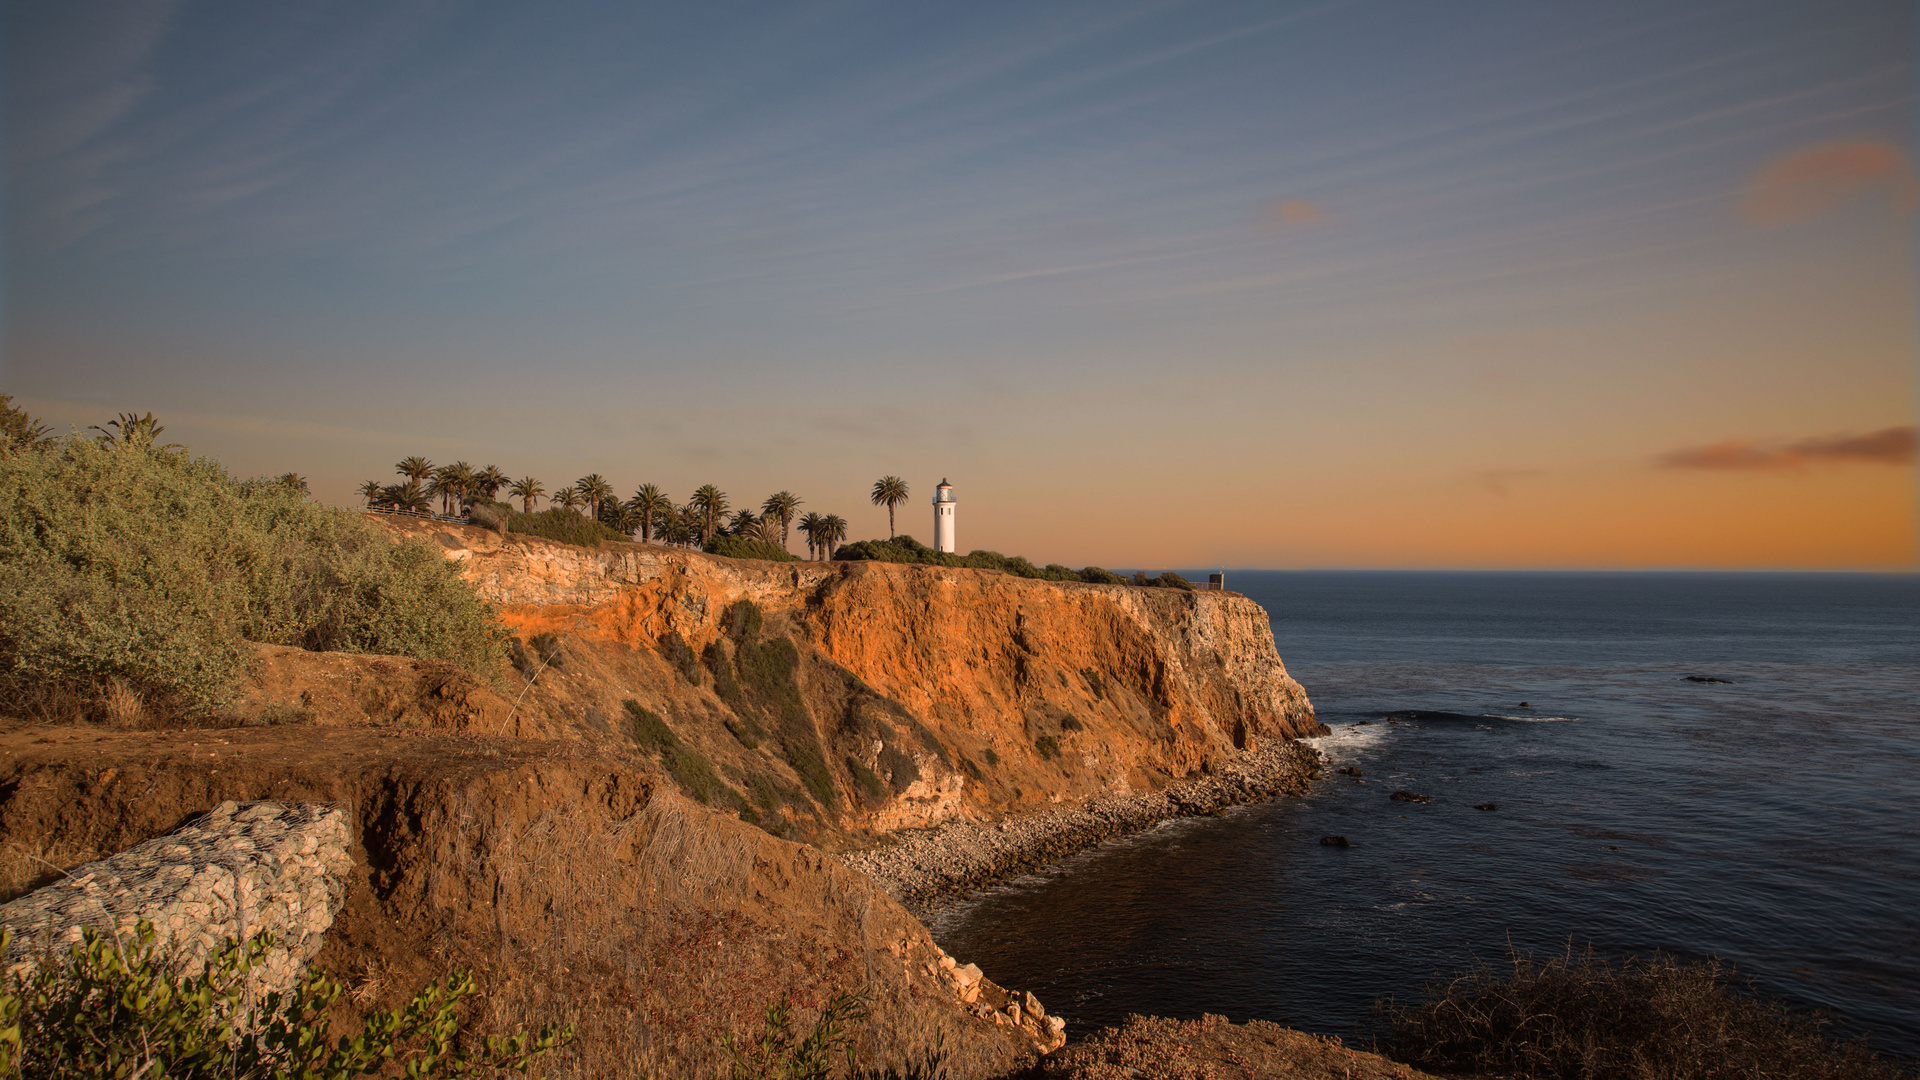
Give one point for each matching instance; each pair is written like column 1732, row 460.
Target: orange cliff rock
column 927, row 693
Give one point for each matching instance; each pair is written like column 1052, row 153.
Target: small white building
column 943, row 517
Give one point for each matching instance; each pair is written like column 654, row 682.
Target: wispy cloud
column 1889, row 446
column 1811, row 181
column 1287, row 213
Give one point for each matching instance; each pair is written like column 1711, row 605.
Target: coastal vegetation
column 1586, row 1018
column 135, row 579
column 123, row 1009
column 905, row 549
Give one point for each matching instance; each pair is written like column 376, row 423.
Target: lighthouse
column 943, row 517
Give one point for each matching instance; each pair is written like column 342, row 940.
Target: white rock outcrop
column 238, row 870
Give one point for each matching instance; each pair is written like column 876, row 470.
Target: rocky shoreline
column 927, row 869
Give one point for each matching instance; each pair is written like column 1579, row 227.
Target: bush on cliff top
column 905, row 549
column 741, row 547
column 134, row 566
column 565, row 526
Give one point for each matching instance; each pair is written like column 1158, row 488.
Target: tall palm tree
column 452, row 483
column 812, row 527
column 567, row 498
column 415, row 468
column 370, row 491
column 833, row 531
column 594, row 490
column 744, row 523
column 781, row 506
column 709, row 503
column 295, row 481
column 526, row 489
column 889, row 491
column 488, row 480
column 679, row 525
column 648, row 503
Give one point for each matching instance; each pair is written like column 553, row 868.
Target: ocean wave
column 1534, row 719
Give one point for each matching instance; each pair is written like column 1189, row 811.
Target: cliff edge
column 871, row 697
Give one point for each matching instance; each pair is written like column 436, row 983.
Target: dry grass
column 1586, row 1019
column 122, row 706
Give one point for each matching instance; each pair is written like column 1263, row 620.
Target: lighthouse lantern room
column 943, row 517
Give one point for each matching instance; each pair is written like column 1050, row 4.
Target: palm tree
column 370, row 491
column 781, row 506
column 594, row 490
column 294, row 481
column 415, row 468
column 130, row 432
column 744, row 523
column 409, row 496
column 833, row 530
column 812, row 527
column 709, row 503
column 452, row 483
column 567, row 498
column 679, row 525
column 889, row 491
column 488, row 480
column 647, row 504
column 526, row 489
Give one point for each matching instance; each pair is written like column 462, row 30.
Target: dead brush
column 1584, row 1018
column 122, row 705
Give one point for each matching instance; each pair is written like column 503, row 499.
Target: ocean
column 1770, row 817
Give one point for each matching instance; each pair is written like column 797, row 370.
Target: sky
column 1347, row 284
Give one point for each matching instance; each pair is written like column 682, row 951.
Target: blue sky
column 1307, row 273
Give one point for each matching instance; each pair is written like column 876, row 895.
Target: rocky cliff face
column 888, row 696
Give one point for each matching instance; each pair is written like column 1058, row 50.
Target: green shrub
column 1587, row 1019
column 777, row 1052
column 724, row 684
column 867, row 781
column 1100, row 576
column 769, row 685
column 647, row 728
column 565, row 526
column 740, row 547
column 1171, row 580
column 136, row 563
column 490, row 515
column 679, row 655
column 1048, row 746
column 119, row 1009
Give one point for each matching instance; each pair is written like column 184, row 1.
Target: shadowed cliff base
column 927, row 869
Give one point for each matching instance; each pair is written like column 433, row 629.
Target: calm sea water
column 1769, row 820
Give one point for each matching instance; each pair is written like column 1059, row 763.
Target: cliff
column 915, row 695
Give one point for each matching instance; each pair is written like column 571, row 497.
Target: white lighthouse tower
column 943, row 517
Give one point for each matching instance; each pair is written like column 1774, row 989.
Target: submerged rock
column 1408, row 796
column 1335, row 841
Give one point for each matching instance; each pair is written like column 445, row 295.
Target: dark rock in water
column 1408, row 796
column 1707, row 678
column 1526, row 705
column 1335, row 841
column 1487, row 806
column 1363, row 723
column 1349, row 770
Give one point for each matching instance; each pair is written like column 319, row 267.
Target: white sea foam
column 1536, row 719
column 1345, row 743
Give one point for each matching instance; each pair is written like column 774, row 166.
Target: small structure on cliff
column 943, row 517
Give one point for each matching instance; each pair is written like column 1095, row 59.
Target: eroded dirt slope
column 574, row 884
